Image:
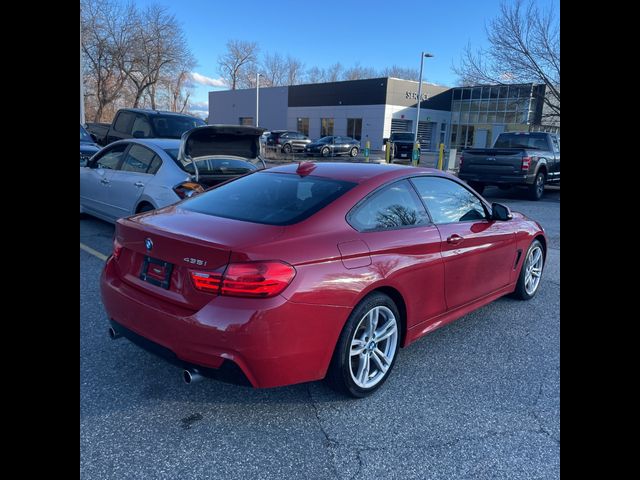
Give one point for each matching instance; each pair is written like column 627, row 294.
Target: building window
column 354, row 128
column 303, row 126
column 326, row 128
column 246, row 121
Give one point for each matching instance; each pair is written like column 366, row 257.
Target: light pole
column 257, row 97
column 415, row 135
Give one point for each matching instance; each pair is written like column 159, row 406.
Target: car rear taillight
column 188, row 189
column 248, row 279
column 117, row 248
column 526, row 161
column 207, row 281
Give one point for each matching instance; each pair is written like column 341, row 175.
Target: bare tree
column 524, row 46
column 401, row 72
column 160, row 49
column 334, row 72
column 315, row 75
column 274, row 70
column 107, row 40
column 358, row 73
column 240, row 60
column 295, row 70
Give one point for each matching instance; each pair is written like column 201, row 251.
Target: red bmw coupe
column 312, row 271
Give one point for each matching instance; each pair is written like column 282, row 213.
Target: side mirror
column 138, row 134
column 500, row 212
column 94, row 138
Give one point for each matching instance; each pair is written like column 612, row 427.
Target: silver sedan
column 138, row 175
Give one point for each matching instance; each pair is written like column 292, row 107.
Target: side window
column 392, row 207
column 123, row 122
column 155, row 165
column 448, row 201
column 110, row 159
column 137, row 160
column 556, row 144
column 141, row 125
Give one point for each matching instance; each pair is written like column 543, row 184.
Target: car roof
column 156, row 112
column 355, row 172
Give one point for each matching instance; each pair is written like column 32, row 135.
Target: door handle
column 139, row 184
column 104, row 181
column 455, row 239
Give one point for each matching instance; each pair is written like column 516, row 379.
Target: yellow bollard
column 441, row 157
column 367, row 149
column 387, row 151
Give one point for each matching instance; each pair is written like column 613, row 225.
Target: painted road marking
column 93, row 252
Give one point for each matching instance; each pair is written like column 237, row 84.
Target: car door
column 121, row 127
column 342, row 145
column 296, row 141
column 141, row 127
column 404, row 246
column 95, row 178
column 479, row 254
column 129, row 181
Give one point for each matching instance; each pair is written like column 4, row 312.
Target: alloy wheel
column 373, row 347
column 533, row 270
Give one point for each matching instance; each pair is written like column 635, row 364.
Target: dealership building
column 372, row 109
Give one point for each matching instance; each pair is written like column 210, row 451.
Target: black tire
column 286, row 148
column 536, row 190
column 477, row 186
column 339, row 375
column 325, row 152
column 353, row 152
column 521, row 292
column 145, row 207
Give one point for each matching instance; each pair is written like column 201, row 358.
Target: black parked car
column 332, row 145
column 143, row 123
column 402, row 145
column 287, row 141
column 87, row 145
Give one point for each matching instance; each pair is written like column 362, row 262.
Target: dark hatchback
column 333, row 145
column 88, row 146
column 287, row 141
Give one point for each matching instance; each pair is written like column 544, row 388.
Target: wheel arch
column 142, row 202
column 398, row 299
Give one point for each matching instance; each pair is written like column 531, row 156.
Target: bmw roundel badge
column 148, row 243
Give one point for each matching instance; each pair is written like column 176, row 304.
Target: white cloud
column 204, row 80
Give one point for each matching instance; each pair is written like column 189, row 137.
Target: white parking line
column 93, row 252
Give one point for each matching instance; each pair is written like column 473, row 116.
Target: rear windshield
column 173, row 126
column 530, row 142
column 269, row 198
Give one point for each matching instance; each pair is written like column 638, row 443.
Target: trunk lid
column 232, row 140
column 181, row 241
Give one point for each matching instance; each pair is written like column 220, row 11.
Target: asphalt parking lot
column 478, row 398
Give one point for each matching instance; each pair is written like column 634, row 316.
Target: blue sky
column 374, row 33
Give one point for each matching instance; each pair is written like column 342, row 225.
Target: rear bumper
column 272, row 342
column 493, row 179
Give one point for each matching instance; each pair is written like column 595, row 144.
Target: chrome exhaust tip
column 113, row 334
column 191, row 376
